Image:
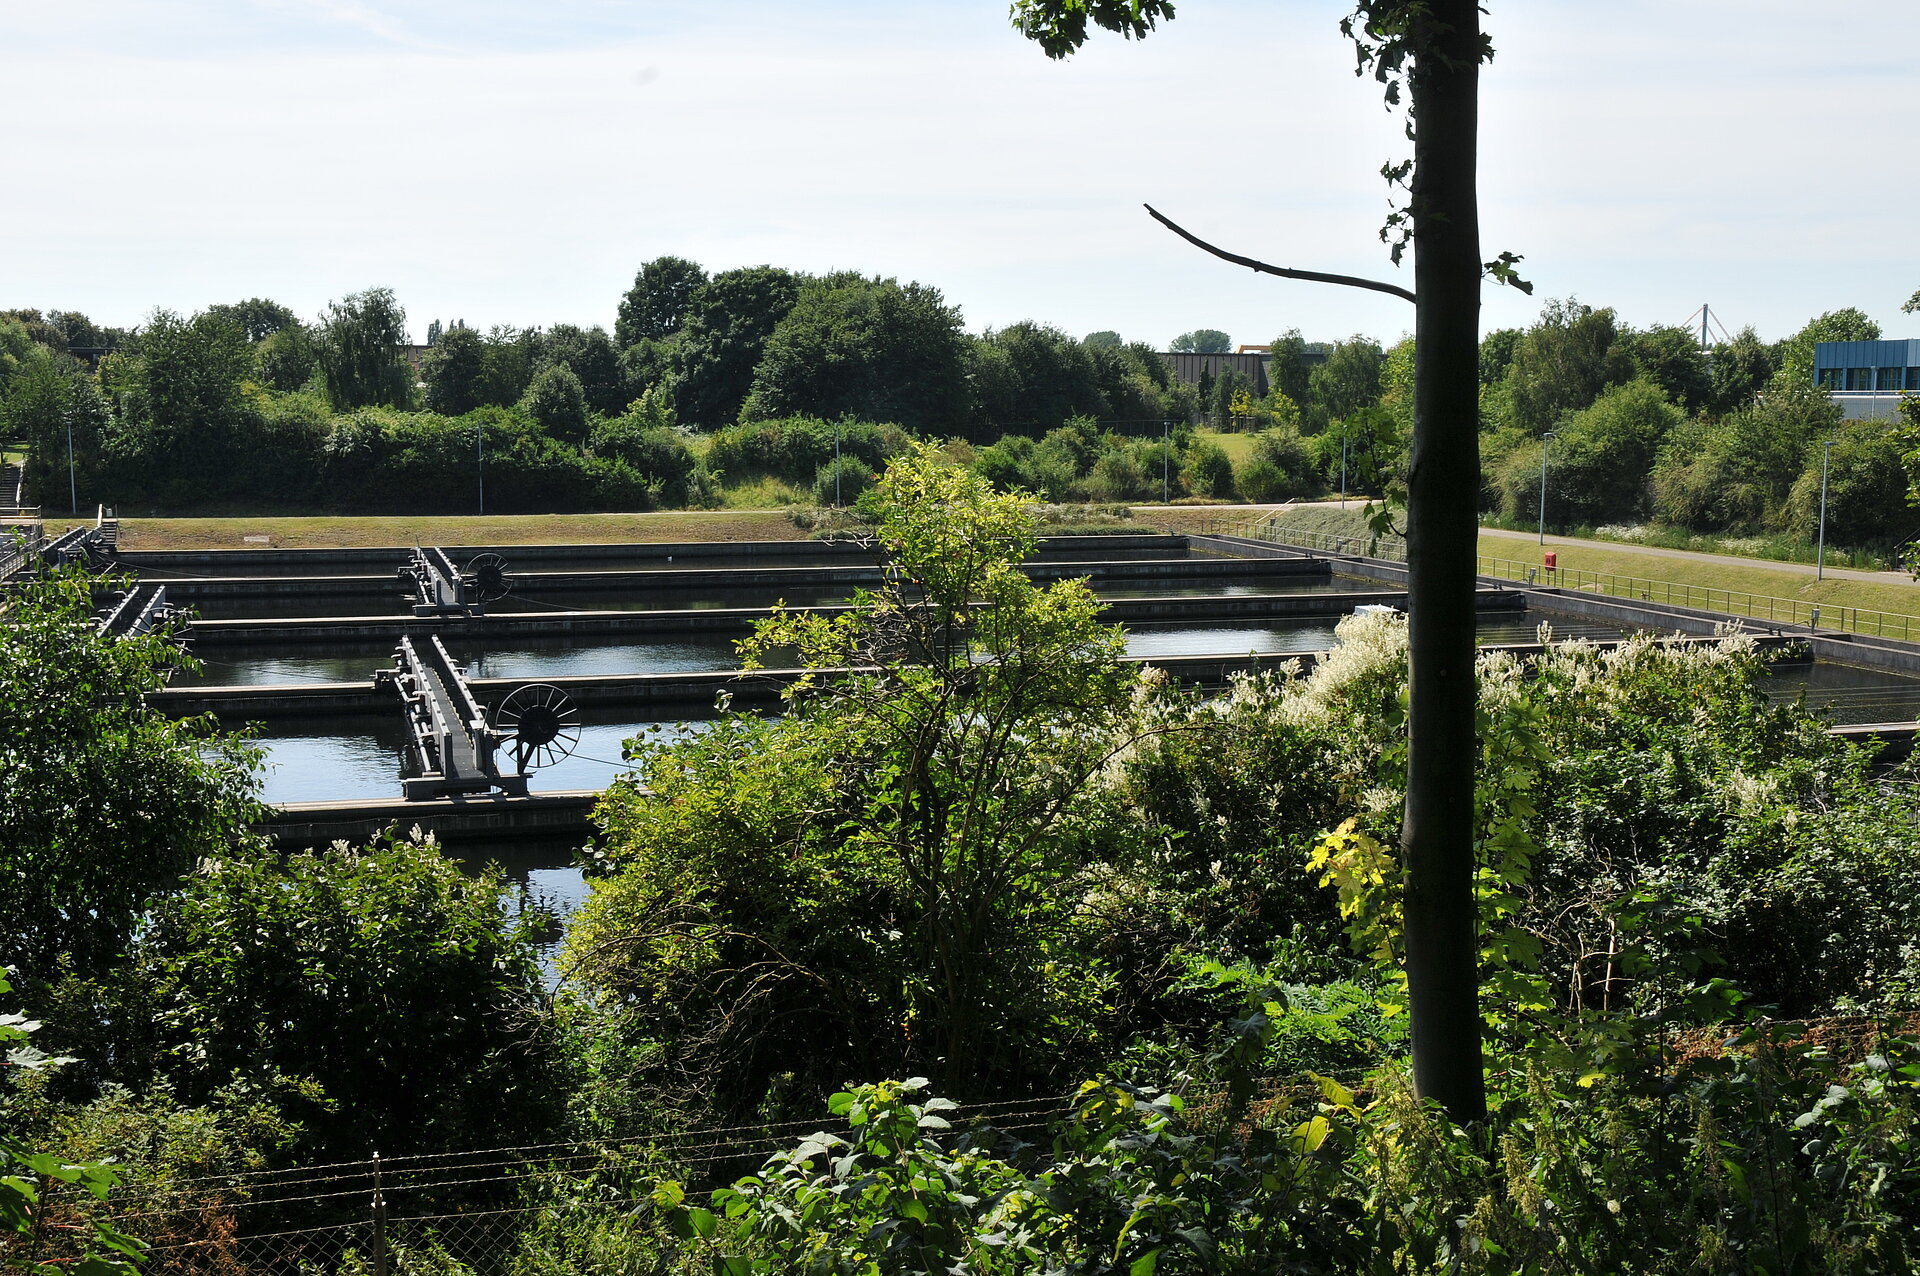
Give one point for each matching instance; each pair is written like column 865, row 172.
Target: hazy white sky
column 514, row 161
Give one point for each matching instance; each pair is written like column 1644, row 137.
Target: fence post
column 379, row 1222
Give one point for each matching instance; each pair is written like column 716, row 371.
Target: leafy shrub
column 793, row 449
column 1207, row 471
column 386, row 976
column 841, row 482
column 1280, row 466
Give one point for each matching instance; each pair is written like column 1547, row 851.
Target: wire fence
column 1732, row 602
column 453, row 1212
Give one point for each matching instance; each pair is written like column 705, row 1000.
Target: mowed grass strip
column 348, row 532
column 354, row 532
column 1758, row 577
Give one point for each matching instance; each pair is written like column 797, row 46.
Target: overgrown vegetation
column 1004, row 859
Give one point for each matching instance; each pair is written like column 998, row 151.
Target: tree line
column 246, row 405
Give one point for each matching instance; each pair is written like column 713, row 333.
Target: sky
column 516, row 161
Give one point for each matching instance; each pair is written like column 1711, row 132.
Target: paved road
column 1652, row 551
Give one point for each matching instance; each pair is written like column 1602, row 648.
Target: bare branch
column 1313, row 276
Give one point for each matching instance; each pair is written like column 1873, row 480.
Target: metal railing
column 20, row 551
column 1731, row 602
column 1391, row 548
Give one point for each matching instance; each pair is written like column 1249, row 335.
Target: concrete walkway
column 1732, row 560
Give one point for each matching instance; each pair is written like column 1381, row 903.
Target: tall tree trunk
column 1443, row 489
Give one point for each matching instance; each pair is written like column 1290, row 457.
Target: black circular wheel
column 541, row 725
column 487, row 577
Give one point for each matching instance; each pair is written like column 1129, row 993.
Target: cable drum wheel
column 487, row 577
column 540, row 723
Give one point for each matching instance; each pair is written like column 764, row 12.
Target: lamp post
column 1545, row 440
column 1343, row 465
column 1820, row 557
column 480, row 465
column 1166, row 461
column 73, row 488
column 836, row 465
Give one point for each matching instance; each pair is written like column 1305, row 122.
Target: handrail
column 1766, row 607
column 1734, row 602
column 1392, row 548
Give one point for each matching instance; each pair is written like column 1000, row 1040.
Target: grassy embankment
column 1764, row 578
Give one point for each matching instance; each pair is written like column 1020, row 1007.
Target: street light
column 73, row 490
column 1820, row 558
column 1343, row 465
column 1545, row 440
column 836, row 465
column 1166, row 461
column 480, row 465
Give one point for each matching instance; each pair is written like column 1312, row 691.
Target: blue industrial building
column 1867, row 378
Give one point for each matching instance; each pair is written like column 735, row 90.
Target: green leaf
column 1144, row 1265
column 703, row 1223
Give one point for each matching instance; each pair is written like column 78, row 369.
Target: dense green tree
column 1048, row 377
column 359, row 343
column 1563, row 363
column 556, row 401
column 898, row 872
column 511, row 358
column 192, row 369
column 1671, row 358
column 104, row 800
column 660, row 301
column 1349, row 380
column 1496, row 353
column 589, row 354
column 1740, row 369
column 1289, row 370
column 1735, row 474
column 258, row 317
column 1201, row 341
column 16, row 343
column 1397, row 371
column 184, row 415
column 1796, row 352
column 1104, row 337
column 730, row 318
column 646, row 364
column 1866, row 489
column 51, row 409
column 284, row 360
column 868, row 348
column 1598, row 463
column 1136, row 383
column 454, row 369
